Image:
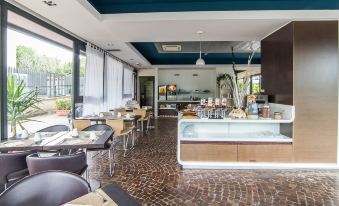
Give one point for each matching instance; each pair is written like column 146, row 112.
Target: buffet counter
column 213, row 142
column 171, row 107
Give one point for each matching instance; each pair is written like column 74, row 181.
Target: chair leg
column 125, row 146
column 148, row 125
column 142, row 126
column 6, row 186
column 86, row 172
column 111, row 161
column 133, row 138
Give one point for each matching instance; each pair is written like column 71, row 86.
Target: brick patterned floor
column 150, row 173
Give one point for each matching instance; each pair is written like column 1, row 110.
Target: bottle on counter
column 265, row 111
column 277, row 115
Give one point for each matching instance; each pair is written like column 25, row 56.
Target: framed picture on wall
column 162, row 92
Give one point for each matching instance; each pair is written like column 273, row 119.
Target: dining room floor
column 151, row 174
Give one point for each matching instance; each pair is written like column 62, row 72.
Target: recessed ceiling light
column 200, row 32
column 50, row 3
column 137, row 63
column 171, row 48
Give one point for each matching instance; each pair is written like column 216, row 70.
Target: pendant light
column 200, row 61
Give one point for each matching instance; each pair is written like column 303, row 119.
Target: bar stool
column 118, row 126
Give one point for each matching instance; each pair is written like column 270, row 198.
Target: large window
column 128, row 83
column 255, row 84
column 39, row 76
column 82, row 72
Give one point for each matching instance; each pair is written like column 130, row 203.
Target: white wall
column 147, row 72
column 206, row 78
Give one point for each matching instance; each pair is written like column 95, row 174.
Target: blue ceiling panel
column 149, row 51
column 145, row 6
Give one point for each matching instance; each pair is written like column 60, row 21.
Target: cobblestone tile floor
column 151, row 174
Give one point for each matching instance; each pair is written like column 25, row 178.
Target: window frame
column 251, row 82
column 77, row 45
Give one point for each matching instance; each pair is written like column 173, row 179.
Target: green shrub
column 63, row 104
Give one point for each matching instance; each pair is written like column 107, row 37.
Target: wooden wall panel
column 316, row 91
column 300, row 67
column 213, row 152
column 277, row 65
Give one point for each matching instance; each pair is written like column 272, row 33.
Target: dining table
column 109, row 195
column 57, row 141
column 129, row 109
column 103, row 118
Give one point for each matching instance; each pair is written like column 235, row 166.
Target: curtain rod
column 93, row 46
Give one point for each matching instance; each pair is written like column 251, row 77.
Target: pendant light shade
column 200, row 61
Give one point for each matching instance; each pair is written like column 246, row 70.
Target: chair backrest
column 81, row 124
column 75, row 163
column 141, row 112
column 121, row 110
column 55, row 128
column 116, row 124
column 48, row 188
column 98, row 127
column 106, row 113
column 136, row 106
column 12, row 162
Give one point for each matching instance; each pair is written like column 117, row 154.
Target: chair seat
column 130, row 127
column 123, row 132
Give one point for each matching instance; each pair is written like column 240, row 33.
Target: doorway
column 147, row 91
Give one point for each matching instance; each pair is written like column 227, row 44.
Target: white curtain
column 128, row 82
column 113, row 86
column 94, row 82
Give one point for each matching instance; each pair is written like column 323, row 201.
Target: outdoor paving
column 43, row 121
column 151, row 174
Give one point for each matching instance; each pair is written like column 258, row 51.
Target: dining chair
column 120, row 110
column 119, row 131
column 52, row 188
column 74, row 163
column 108, row 146
column 144, row 117
column 55, row 128
column 130, row 125
column 13, row 167
column 81, row 124
column 58, row 128
column 105, row 113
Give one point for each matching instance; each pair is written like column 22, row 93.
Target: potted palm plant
column 63, row 107
column 21, row 104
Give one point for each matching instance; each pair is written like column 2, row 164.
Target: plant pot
column 62, row 112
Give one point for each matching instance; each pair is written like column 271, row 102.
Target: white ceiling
column 81, row 19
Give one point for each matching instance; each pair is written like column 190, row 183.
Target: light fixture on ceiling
column 200, row 61
column 50, row 3
column 171, row 48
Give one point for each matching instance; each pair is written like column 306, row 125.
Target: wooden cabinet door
column 265, row 153
column 211, row 152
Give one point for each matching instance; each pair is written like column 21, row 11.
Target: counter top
column 229, row 120
column 241, row 138
column 174, row 101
